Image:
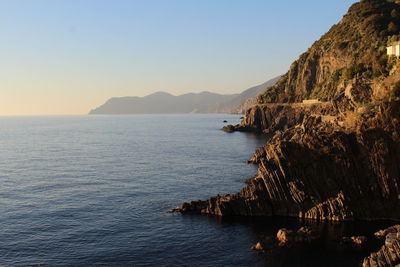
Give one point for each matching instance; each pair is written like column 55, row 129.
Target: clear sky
column 69, row 56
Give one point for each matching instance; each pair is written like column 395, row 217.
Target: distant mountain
column 161, row 102
column 247, row 98
column 204, row 102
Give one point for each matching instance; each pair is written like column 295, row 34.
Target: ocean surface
column 95, row 191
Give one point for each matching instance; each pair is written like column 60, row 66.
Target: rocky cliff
column 338, row 159
column 353, row 48
column 317, row 169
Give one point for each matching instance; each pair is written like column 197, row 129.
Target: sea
column 97, row 190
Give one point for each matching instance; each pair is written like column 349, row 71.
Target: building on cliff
column 394, row 49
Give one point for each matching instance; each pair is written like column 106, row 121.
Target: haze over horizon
column 67, row 57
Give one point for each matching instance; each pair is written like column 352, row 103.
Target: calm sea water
column 95, row 190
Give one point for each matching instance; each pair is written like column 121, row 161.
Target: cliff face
column 338, row 159
column 353, row 48
column 318, row 170
column 268, row 118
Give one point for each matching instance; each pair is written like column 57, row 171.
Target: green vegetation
column 355, row 48
column 395, row 92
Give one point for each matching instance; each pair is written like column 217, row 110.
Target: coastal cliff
column 319, row 170
column 337, row 158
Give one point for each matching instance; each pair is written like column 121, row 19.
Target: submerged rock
column 357, row 241
column 286, row 238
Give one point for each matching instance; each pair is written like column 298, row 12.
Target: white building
column 311, row 101
column 393, row 49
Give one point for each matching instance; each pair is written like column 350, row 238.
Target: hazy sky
column 68, row 56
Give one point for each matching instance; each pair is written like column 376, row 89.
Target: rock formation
column 338, row 159
column 286, row 238
column 352, row 52
column 389, row 254
column 320, row 170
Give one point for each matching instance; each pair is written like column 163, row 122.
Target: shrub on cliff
column 395, row 92
column 355, row 47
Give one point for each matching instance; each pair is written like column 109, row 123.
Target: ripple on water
column 94, row 190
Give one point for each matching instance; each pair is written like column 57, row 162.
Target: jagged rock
column 390, row 239
column 336, row 160
column 285, row 236
column 318, row 170
column 229, row 128
column 389, row 254
column 258, row 247
column 343, row 62
column 269, row 118
column 383, row 233
column 273, row 117
column 325, row 160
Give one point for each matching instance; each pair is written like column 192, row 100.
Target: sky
column 69, row 56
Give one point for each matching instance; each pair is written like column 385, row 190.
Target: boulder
column 305, row 234
column 258, row 247
column 284, row 236
column 229, row 128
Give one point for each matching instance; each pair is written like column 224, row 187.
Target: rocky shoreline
column 286, row 239
column 389, row 254
column 333, row 126
column 316, row 169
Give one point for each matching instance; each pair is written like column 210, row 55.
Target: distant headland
column 165, row 103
